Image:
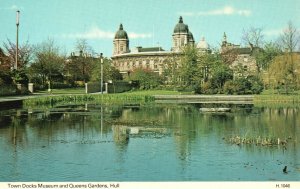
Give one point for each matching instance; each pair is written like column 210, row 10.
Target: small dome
column 202, row 44
column 181, row 27
column 121, row 34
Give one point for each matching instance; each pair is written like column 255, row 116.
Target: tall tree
column 109, row 72
column 290, row 38
column 253, row 36
column 48, row 62
column 283, row 72
column 188, row 66
column 79, row 68
column 265, row 55
column 25, row 53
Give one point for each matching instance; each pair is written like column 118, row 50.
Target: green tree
column 48, row 63
column 146, row 78
column 220, row 73
column 284, row 72
column 265, row 56
column 189, row 70
column 109, row 72
column 79, row 66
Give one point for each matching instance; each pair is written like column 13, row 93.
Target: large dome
column 191, row 37
column 181, row 27
column 121, row 34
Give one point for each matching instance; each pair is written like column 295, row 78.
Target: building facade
column 240, row 59
column 153, row 58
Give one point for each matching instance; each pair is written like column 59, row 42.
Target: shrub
column 7, row 90
column 229, row 87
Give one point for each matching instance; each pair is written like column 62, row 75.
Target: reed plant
column 93, row 98
column 277, row 101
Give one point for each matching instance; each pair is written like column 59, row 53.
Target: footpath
column 20, row 98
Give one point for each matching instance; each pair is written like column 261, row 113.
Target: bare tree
column 25, row 52
column 82, row 46
column 253, row 37
column 290, row 38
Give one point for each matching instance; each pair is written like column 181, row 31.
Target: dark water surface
column 146, row 143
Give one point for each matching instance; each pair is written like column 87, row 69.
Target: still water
column 161, row 142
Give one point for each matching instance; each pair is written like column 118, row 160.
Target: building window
column 245, row 68
column 147, row 63
column 121, row 48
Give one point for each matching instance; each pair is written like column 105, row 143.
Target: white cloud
column 139, row 35
column 97, row 33
column 13, row 7
column 273, row 32
column 93, row 33
column 227, row 10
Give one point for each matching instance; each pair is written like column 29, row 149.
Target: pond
column 161, row 142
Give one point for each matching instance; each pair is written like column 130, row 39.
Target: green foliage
column 19, row 76
column 276, row 100
column 147, row 78
column 5, row 78
column 265, row 56
column 229, row 87
column 219, row 75
column 256, row 84
column 284, row 72
column 7, row 90
column 250, row 85
column 190, row 72
column 109, row 72
column 48, row 64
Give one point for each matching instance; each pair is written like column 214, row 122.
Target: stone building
column 154, row 58
column 240, row 59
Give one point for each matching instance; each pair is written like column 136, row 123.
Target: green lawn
column 156, row 92
column 64, row 91
column 82, row 91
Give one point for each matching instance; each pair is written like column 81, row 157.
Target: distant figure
column 285, row 169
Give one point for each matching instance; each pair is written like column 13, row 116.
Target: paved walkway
column 18, row 98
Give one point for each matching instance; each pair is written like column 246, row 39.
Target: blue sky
column 148, row 22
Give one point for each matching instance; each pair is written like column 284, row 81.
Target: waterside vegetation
column 259, row 141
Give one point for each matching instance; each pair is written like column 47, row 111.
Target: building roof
column 121, row 34
column 149, row 49
column 202, row 44
column 181, row 27
column 191, row 37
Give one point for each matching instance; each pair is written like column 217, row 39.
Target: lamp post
column 101, row 64
column 17, row 42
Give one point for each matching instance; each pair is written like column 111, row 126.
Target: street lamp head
column 101, row 58
column 18, row 17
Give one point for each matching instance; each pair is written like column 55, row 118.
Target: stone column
column 30, row 87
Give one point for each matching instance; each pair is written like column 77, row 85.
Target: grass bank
column 277, row 100
column 140, row 97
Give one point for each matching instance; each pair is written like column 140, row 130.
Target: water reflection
column 162, row 142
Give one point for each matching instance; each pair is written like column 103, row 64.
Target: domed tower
column 181, row 36
column 191, row 40
column 203, row 46
column 121, row 42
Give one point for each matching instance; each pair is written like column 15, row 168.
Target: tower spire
column 224, row 37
